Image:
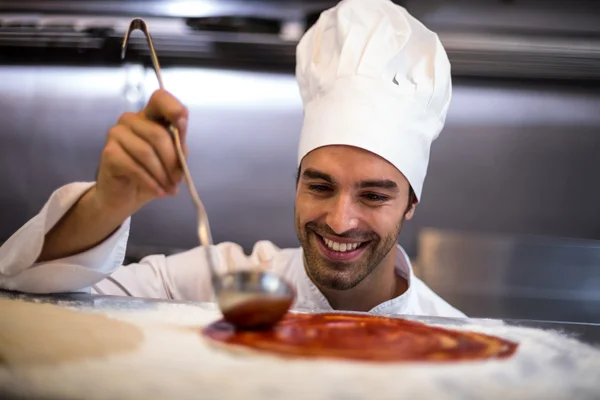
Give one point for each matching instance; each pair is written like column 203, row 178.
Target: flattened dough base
column 38, row 334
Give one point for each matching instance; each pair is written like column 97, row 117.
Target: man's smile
column 340, row 249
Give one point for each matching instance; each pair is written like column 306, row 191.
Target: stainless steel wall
column 514, row 158
column 513, row 276
column 243, row 132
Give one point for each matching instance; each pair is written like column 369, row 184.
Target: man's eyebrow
column 378, row 183
column 314, row 174
column 311, row 173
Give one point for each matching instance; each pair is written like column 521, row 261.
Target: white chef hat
column 372, row 76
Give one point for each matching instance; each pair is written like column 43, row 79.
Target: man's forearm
column 84, row 226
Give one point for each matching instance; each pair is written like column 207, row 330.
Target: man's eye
column 318, row 188
column 375, row 197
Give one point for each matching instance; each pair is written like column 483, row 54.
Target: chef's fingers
column 163, row 106
column 121, row 163
column 145, row 156
column 160, row 140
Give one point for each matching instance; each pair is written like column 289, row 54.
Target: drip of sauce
column 362, row 338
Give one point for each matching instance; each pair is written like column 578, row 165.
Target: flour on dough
column 37, row 334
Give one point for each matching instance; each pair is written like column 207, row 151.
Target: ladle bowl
column 253, row 299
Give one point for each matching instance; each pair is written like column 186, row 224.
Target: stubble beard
column 342, row 275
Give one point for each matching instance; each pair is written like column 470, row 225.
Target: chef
column 375, row 85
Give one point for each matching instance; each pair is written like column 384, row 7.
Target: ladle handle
column 204, row 234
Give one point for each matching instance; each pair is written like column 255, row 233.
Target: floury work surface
column 514, row 158
column 161, row 353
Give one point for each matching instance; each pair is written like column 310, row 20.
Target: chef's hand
column 139, row 162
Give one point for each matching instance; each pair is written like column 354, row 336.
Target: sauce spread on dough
column 362, row 338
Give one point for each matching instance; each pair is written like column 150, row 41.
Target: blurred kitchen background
column 509, row 223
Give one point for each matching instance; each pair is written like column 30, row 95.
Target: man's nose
column 341, row 216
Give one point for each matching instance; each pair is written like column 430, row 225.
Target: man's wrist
column 99, row 205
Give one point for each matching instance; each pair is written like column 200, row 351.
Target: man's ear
column 410, row 212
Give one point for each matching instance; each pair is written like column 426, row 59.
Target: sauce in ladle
column 253, row 300
column 257, row 314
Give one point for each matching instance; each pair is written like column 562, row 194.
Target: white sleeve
column 184, row 276
column 20, row 272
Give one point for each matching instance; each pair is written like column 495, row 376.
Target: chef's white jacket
column 183, row 276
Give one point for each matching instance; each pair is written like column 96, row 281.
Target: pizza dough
column 361, row 338
column 176, row 362
column 45, row 334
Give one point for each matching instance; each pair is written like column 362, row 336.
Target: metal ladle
column 255, row 299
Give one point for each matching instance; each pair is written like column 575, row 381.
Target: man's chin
column 334, row 283
column 334, row 276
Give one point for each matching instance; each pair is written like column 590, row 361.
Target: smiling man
column 376, row 87
column 350, row 207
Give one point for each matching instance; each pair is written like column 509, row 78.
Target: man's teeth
column 341, row 247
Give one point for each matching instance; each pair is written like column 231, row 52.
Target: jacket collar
column 310, row 297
